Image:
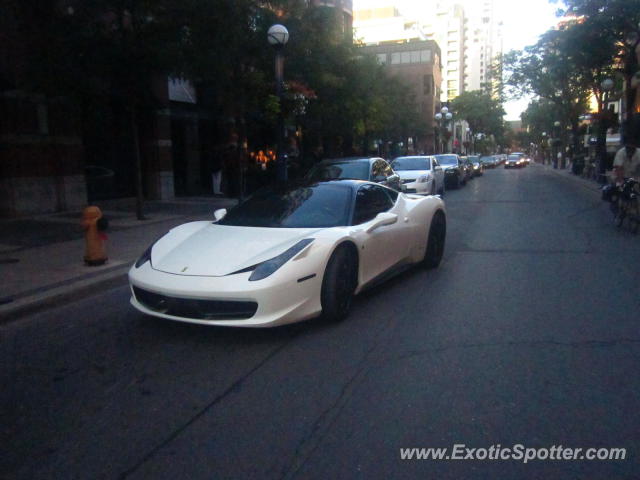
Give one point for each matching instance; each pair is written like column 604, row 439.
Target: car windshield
column 309, row 206
column 358, row 170
column 447, row 159
column 514, row 157
column 411, row 163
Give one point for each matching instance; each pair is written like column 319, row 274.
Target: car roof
column 350, row 182
column 351, row 159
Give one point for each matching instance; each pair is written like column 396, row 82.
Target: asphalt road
column 527, row 334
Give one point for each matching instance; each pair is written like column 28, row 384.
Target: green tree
column 482, row 111
column 608, row 34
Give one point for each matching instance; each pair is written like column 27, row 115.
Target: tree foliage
column 103, row 51
column 596, row 39
column 482, row 111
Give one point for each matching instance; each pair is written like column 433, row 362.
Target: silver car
column 420, row 174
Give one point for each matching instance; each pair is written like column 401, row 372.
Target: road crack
column 234, row 387
column 327, row 418
column 524, row 343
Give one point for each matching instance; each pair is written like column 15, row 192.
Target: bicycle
column 627, row 207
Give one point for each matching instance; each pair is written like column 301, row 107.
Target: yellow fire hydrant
column 94, row 252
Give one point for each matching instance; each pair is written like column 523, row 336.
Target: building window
column 415, row 56
column 425, row 56
column 382, row 58
column 406, row 57
column 395, row 58
column 427, row 83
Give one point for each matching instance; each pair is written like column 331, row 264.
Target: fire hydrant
column 93, row 223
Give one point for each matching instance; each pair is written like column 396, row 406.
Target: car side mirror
column 382, row 219
column 438, row 168
column 220, row 214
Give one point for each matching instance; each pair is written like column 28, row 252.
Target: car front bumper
column 420, row 188
column 277, row 299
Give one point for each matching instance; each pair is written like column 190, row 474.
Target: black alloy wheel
column 435, row 241
column 338, row 285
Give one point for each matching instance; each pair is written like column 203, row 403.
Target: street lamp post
column 556, row 143
column 438, row 118
column 278, row 36
column 442, row 118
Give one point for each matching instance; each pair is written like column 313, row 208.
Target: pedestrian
column 216, row 172
column 626, row 163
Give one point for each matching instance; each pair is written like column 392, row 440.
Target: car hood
column 207, row 249
column 449, row 167
column 412, row 174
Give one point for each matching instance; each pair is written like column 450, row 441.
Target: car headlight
column 266, row 268
column 423, row 179
column 145, row 257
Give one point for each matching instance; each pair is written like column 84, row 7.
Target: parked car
column 454, row 170
column 286, row 254
column 372, row 169
column 489, row 161
column 478, row 167
column 420, row 174
column 514, row 161
column 468, row 164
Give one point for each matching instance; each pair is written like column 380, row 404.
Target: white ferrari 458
column 287, row 254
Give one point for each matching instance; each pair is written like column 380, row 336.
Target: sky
column 524, row 21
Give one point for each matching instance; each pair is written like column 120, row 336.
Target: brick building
column 417, row 63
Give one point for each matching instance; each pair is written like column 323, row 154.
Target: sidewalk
column 41, row 257
column 566, row 173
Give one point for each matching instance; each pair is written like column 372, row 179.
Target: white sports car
column 287, row 254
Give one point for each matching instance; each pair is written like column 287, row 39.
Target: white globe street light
column 278, row 36
column 607, row 84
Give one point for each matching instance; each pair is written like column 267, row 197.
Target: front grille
column 194, row 308
column 408, row 181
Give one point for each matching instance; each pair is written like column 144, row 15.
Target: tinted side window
column 370, row 201
column 393, row 194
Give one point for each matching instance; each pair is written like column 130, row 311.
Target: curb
column 56, row 296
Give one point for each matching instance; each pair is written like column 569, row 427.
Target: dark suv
column 454, row 170
column 373, row 169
